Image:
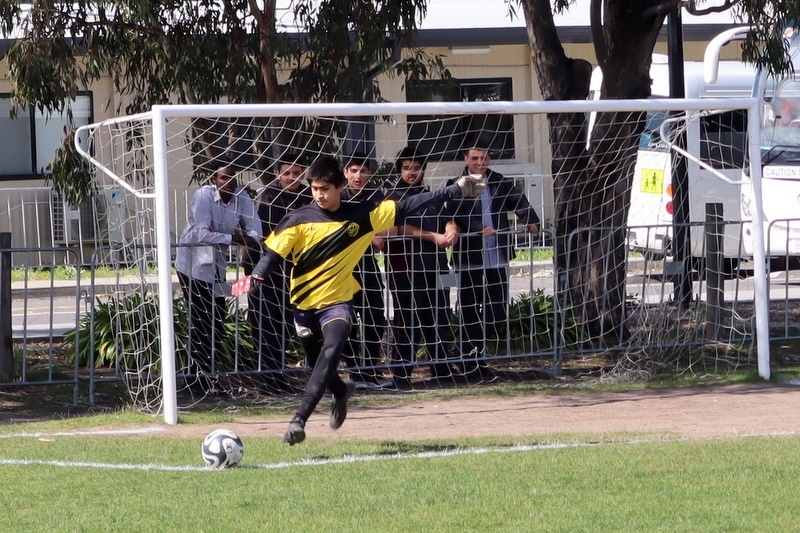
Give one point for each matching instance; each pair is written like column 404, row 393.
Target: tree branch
column 694, row 10
column 266, row 47
column 662, row 10
column 596, row 24
column 157, row 29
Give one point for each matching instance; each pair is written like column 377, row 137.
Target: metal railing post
column 6, row 340
column 715, row 281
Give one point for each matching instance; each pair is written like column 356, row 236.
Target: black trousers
column 322, row 345
column 421, row 317
column 369, row 306
column 270, row 320
column 206, row 329
column 483, row 302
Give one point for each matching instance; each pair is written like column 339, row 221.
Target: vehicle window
column 723, row 139
column 651, row 136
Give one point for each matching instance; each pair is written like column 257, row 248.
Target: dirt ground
column 710, row 411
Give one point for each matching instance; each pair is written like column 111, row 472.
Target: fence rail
column 656, row 326
column 39, row 218
column 34, row 317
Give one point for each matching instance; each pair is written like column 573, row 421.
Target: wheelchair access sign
column 652, row 181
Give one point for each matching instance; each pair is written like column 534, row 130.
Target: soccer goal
column 602, row 275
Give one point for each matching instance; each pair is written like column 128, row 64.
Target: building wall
column 532, row 154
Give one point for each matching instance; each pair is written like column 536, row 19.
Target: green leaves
column 205, row 50
column 71, row 174
column 345, row 44
column 126, row 333
column 534, row 325
column 45, row 74
column 162, row 51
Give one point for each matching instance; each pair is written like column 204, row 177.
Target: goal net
column 577, row 270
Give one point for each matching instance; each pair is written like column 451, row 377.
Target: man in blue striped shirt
column 220, row 214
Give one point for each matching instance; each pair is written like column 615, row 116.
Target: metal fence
column 35, row 312
column 39, row 218
column 542, row 332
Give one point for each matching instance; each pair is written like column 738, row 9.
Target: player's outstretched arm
column 243, row 285
column 265, row 265
column 471, row 185
column 465, row 187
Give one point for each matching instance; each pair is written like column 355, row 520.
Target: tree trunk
column 592, row 187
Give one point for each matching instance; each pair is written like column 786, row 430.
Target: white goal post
column 149, row 154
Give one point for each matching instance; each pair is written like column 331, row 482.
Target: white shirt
column 213, row 222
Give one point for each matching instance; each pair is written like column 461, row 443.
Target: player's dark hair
column 358, row 158
column 477, row 140
column 288, row 158
column 218, row 164
column 327, row 170
column 410, row 153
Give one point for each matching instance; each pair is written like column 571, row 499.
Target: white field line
column 87, row 433
column 104, row 466
column 352, row 459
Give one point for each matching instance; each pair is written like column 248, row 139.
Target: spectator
column 220, row 214
column 368, row 303
column 415, row 262
column 482, row 254
column 786, row 111
column 270, row 313
column 325, row 240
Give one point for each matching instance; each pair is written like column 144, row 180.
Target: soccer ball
column 222, row 448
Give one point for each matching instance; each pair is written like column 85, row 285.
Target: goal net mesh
column 595, row 291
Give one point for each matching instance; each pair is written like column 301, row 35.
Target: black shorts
column 308, row 322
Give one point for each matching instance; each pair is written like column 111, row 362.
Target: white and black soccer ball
column 222, row 448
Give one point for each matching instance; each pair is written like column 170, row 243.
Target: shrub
column 127, row 333
column 533, row 324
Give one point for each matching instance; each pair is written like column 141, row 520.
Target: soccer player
column 325, row 241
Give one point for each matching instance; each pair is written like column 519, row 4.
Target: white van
column 780, row 158
column 718, row 140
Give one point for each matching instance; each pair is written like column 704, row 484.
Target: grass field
column 63, row 474
column 147, row 482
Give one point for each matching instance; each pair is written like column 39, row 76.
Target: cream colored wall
column 693, row 51
column 531, row 135
column 532, row 154
column 501, row 62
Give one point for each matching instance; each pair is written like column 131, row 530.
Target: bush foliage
column 126, row 331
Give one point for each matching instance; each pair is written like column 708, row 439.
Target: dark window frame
column 723, row 139
column 32, row 125
column 447, row 141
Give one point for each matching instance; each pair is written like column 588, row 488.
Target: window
column 28, row 143
column 443, row 136
column 650, row 139
column 723, row 139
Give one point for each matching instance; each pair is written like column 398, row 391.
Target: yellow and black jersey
column 326, row 246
